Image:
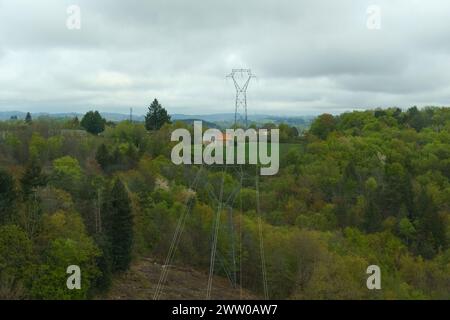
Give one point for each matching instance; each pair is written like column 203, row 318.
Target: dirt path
column 182, row 283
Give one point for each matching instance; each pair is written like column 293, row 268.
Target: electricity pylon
column 241, row 79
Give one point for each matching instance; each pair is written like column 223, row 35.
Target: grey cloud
column 310, row 56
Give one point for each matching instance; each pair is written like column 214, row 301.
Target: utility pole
column 241, row 79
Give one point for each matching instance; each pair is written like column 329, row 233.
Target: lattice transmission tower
column 241, row 79
column 226, row 201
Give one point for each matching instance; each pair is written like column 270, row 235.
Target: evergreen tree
column 7, row 196
column 156, row 116
column 93, row 122
column 104, row 264
column 32, row 178
column 395, row 189
column 372, row 219
column 431, row 237
column 28, row 118
column 372, row 216
column 102, row 156
column 119, row 226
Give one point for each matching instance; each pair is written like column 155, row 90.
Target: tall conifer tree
column 119, row 226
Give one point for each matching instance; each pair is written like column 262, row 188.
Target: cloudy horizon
column 309, row 56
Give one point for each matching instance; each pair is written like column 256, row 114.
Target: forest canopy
column 356, row 189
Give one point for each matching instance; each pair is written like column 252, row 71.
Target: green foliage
column 129, row 133
column 73, row 123
column 156, row 116
column 122, row 156
column 93, row 122
column 37, row 147
column 66, row 174
column 28, row 118
column 287, row 133
column 323, row 125
column 102, row 156
column 119, row 226
column 67, row 167
column 361, row 188
column 16, row 259
column 64, row 242
column 32, row 178
column 8, row 197
column 50, row 278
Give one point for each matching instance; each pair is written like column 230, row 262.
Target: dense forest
column 357, row 189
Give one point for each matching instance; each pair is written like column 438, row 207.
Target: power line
column 176, row 239
column 261, row 240
column 215, row 237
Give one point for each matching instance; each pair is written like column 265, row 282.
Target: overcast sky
column 309, row 56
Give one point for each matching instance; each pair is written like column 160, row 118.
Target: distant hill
column 208, row 124
column 110, row 116
column 212, row 120
column 226, row 120
column 218, row 117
